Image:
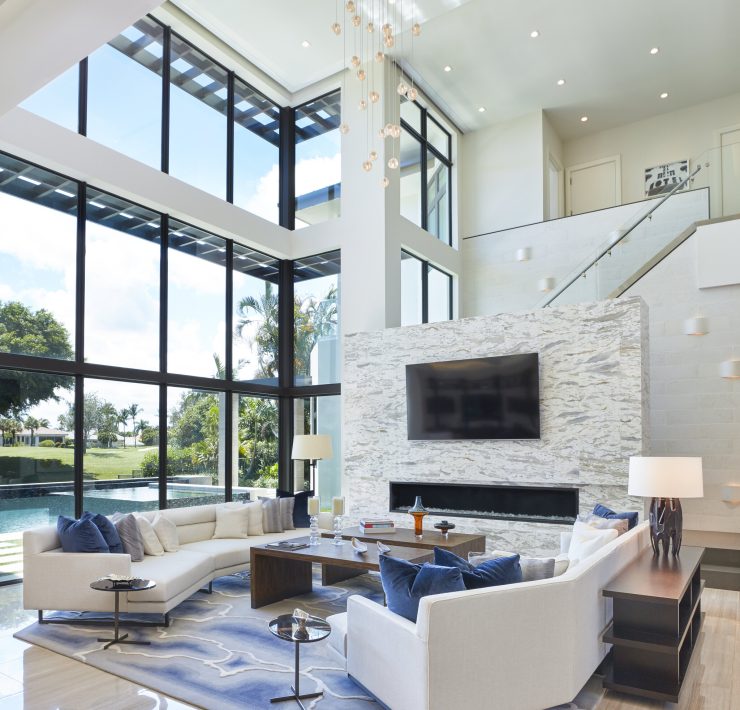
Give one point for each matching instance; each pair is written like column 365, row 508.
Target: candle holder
column 314, row 537
column 338, row 531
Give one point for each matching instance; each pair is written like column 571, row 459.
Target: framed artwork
column 663, row 178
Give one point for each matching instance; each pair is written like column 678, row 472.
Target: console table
column 656, row 622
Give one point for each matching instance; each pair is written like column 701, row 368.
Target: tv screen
column 480, row 398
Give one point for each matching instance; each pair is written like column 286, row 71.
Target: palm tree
column 266, row 310
column 8, row 428
column 33, row 424
column 123, row 416
column 133, row 410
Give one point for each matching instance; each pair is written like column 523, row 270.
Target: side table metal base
column 297, row 697
column 122, row 639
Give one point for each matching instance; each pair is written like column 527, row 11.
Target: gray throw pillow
column 128, row 531
column 271, row 517
column 532, row 567
column 286, row 512
column 621, row 525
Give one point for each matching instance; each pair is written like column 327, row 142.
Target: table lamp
column 666, row 479
column 312, row 448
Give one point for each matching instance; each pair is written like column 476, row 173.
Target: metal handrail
column 610, row 246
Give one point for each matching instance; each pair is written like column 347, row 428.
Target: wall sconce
column 696, row 326
column 730, row 492
column 524, row 254
column 546, row 284
column 730, row 369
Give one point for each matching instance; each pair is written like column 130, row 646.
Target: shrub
column 47, row 444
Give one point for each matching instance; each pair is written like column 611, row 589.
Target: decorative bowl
column 444, row 526
column 358, row 546
column 382, row 549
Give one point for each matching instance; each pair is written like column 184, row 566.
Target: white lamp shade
column 666, row 477
column 311, row 447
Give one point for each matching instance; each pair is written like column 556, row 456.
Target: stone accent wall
column 593, row 392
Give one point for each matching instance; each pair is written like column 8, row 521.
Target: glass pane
column 256, row 152
column 196, row 445
column 124, row 95
column 319, row 415
column 36, row 459
column 38, row 246
column 256, row 321
column 438, row 198
column 438, row 137
column 119, row 448
column 318, row 168
column 58, row 100
column 198, row 104
column 316, row 332
column 410, row 178
column 121, row 283
column 257, row 443
column 411, row 313
column 411, row 114
column 438, row 286
column 196, row 302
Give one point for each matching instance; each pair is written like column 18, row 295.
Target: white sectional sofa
column 523, row 646
column 57, row 580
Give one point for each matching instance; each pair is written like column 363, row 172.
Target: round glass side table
column 131, row 585
column 289, row 628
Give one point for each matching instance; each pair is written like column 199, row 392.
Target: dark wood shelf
column 656, row 623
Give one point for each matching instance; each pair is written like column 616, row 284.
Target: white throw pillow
column 619, row 524
column 562, row 562
column 152, row 545
column 166, row 531
column 232, row 521
column 254, row 511
column 587, row 540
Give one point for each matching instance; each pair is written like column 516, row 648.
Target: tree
column 133, row 410
column 23, row 331
column 123, row 416
column 32, row 424
column 92, row 418
column 8, row 428
column 266, row 308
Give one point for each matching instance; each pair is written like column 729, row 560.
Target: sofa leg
column 166, row 620
column 41, row 616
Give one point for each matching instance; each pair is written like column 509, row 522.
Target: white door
column 730, row 142
column 593, row 186
column 555, row 192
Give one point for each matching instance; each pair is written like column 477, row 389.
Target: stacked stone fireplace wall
column 593, row 408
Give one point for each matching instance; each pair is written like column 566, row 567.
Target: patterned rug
column 218, row 653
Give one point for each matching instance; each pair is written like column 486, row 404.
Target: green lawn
column 102, row 463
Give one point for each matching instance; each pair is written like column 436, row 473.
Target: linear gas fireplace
column 501, row 501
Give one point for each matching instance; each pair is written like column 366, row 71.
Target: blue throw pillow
column 80, row 535
column 491, row 573
column 107, row 530
column 603, row 512
column 405, row 583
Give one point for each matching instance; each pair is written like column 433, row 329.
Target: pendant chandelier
column 372, row 32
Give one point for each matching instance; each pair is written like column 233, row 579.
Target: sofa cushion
column 232, row 521
column 80, row 535
column 532, row 567
column 405, row 583
column 587, row 540
column 227, row 552
column 254, row 511
column 272, row 521
column 621, row 525
column 130, row 536
column 152, row 545
column 491, row 573
column 108, row 531
column 173, row 574
column 166, row 531
column 603, row 512
column 300, row 508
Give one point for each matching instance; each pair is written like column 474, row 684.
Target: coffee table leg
column 296, row 688
column 331, row 574
column 116, row 624
column 276, row 578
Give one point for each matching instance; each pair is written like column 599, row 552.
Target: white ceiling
column 600, row 47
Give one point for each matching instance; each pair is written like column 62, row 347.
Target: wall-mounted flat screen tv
column 479, row 398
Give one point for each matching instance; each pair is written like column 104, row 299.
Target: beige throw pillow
column 166, row 531
column 152, row 545
column 232, row 521
column 254, row 512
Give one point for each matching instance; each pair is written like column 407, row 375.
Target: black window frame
column 426, row 267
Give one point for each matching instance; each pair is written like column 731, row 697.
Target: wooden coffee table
column 459, row 543
column 278, row 574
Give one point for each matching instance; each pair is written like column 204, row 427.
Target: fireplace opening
column 501, row 501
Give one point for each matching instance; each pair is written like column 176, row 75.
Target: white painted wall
column 502, row 176
column 687, row 133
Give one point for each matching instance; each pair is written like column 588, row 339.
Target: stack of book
column 376, row 526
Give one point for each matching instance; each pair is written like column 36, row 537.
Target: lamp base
column 666, row 525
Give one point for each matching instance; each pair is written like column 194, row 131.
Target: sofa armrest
column 386, row 655
column 61, row 580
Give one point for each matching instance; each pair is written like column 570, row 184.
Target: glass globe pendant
column 367, row 166
column 393, row 163
column 336, row 28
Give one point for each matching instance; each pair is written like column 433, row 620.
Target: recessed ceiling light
column 305, row 44
column 447, row 67
column 654, row 50
column 561, row 82
column 664, row 95
column 534, row 34
column 481, row 109
column 584, row 119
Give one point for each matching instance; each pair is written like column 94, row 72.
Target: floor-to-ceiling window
column 426, row 292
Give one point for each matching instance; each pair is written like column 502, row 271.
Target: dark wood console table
column 656, row 623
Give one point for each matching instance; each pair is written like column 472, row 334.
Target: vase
column 418, row 511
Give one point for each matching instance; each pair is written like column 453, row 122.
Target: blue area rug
column 218, row 652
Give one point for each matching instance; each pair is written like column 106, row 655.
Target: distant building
column 24, row 438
